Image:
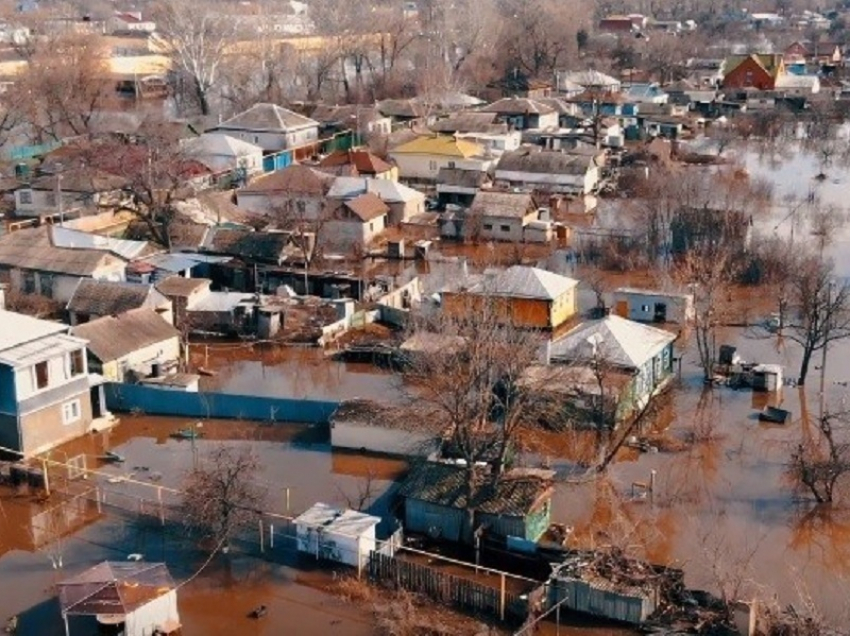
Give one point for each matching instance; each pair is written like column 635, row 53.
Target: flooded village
column 440, row 318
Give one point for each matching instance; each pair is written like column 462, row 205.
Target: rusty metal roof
column 114, row 587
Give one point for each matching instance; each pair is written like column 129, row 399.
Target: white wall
column 58, row 374
column 426, row 167
column 553, row 182
column 267, row 203
column 348, row 233
column 271, row 141
column 142, row 359
column 493, row 228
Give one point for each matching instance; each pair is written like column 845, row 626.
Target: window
column 71, row 412
column 25, row 197
column 488, row 226
column 432, row 165
column 452, row 164
column 505, row 228
column 748, row 78
column 301, row 206
column 644, row 308
column 256, row 139
column 41, row 375
column 78, row 364
column 46, row 282
column 28, row 282
column 371, row 226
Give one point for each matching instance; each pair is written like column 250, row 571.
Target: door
column 660, row 312
column 622, row 308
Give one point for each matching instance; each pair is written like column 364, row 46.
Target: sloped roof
column 620, row 342
column 502, row 204
column 363, row 160
column 19, row 328
column 268, row 117
column 114, row 337
column 539, row 161
column 469, row 121
column 247, row 244
column 213, row 144
column 389, row 191
column 590, row 78
column 461, row 178
column 442, row 145
column 770, row 62
column 31, row 249
column 367, row 206
column 518, row 106
column 346, row 115
column 180, row 286
column 106, row 298
column 114, row 588
column 76, row 239
column 81, row 180
column 407, row 108
column 515, row 494
column 296, row 178
column 522, row 281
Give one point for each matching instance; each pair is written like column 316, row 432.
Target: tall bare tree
column 221, row 497
column 821, row 463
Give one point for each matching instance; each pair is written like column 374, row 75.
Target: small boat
column 774, row 415
column 115, row 458
column 187, row 433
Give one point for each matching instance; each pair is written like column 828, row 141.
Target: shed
column 344, row 536
column 436, row 502
column 135, row 598
column 596, row 596
column 767, row 377
column 646, row 305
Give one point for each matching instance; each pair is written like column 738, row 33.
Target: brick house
column 758, row 71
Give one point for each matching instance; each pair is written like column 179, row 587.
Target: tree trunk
column 201, row 96
column 804, row 365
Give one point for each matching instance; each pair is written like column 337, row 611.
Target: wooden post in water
column 502, row 597
column 262, row 542
column 161, row 511
column 286, row 490
column 97, row 498
column 271, row 536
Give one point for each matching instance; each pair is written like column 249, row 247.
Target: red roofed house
column 358, row 163
column 758, row 71
column 355, row 222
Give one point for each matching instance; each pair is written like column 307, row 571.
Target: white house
column 495, row 143
column 402, row 201
column 296, row 190
column 134, row 344
column 271, row 127
column 422, row 158
column 344, row 536
column 646, row 305
column 69, row 191
column 549, row 171
column 129, row 23
column 220, row 153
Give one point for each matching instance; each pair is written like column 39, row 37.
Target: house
column 422, row 158
column 97, row 298
column 469, row 121
column 521, row 296
column 632, row 23
column 646, row 305
column 459, row 187
column 254, row 247
column 223, row 313
column 46, row 393
column 184, row 293
column 790, row 85
column 403, row 202
column 131, row 345
column 69, row 191
column 31, row 264
column 129, row 23
column 616, row 345
column 271, row 127
column 363, row 120
column 501, row 216
column 223, row 153
column 522, row 113
column 404, row 110
column 755, row 71
column 762, row 20
column 358, row 163
column 360, row 425
column 354, row 223
column 591, row 80
column 437, row 503
column 137, row 597
column 297, row 190
column 549, row 171
column 646, row 94
column 331, row 534
column 494, row 143
column 516, row 83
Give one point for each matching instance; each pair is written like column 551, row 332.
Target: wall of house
column 520, row 312
column 426, row 167
column 58, row 375
column 272, row 141
column 427, row 518
column 252, row 162
column 563, row 308
column 403, row 210
column 502, row 229
column 307, row 206
column 142, row 360
column 46, row 428
column 566, row 183
column 345, row 233
column 749, row 74
column 641, row 307
column 33, row 203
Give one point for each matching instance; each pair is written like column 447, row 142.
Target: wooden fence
column 448, row 589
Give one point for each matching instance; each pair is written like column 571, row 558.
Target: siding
column 44, row 429
column 521, row 312
column 423, row 517
column 628, row 607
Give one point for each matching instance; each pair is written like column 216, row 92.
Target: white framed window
column 71, row 412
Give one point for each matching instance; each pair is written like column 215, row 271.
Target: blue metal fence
column 158, row 401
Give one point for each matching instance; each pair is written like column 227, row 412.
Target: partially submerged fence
column 157, row 401
column 449, row 589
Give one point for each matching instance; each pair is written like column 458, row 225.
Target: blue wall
column 156, row 401
column 8, row 399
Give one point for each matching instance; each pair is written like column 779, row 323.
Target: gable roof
column 521, row 281
column 515, row 494
column 502, row 204
column 406, row 108
column 113, row 337
column 589, row 79
column 770, row 63
column 106, row 298
column 469, row 121
column 461, row 178
column 621, row 342
column 539, row 161
column 518, row 106
column 345, row 115
column 31, row 249
column 367, row 207
column 61, row 236
column 247, row 244
column 388, row 191
column 442, row 145
column 212, row 144
column 181, row 286
column 114, row 588
column 20, row 328
column 293, row 179
column 267, row 117
column 363, row 160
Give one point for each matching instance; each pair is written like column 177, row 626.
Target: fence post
column 271, row 536
column 97, row 498
column 502, row 597
column 359, row 562
column 262, row 543
column 161, row 511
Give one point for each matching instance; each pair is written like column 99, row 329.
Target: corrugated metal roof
column 16, row 329
column 330, row 519
column 114, row 588
column 75, row 239
column 222, row 301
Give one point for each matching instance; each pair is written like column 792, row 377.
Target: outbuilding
column 344, row 536
column 646, row 305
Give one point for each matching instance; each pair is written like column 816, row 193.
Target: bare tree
column 821, row 463
column 819, row 309
column 197, row 39
column 220, row 494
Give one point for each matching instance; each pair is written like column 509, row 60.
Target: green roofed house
column 436, row 503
